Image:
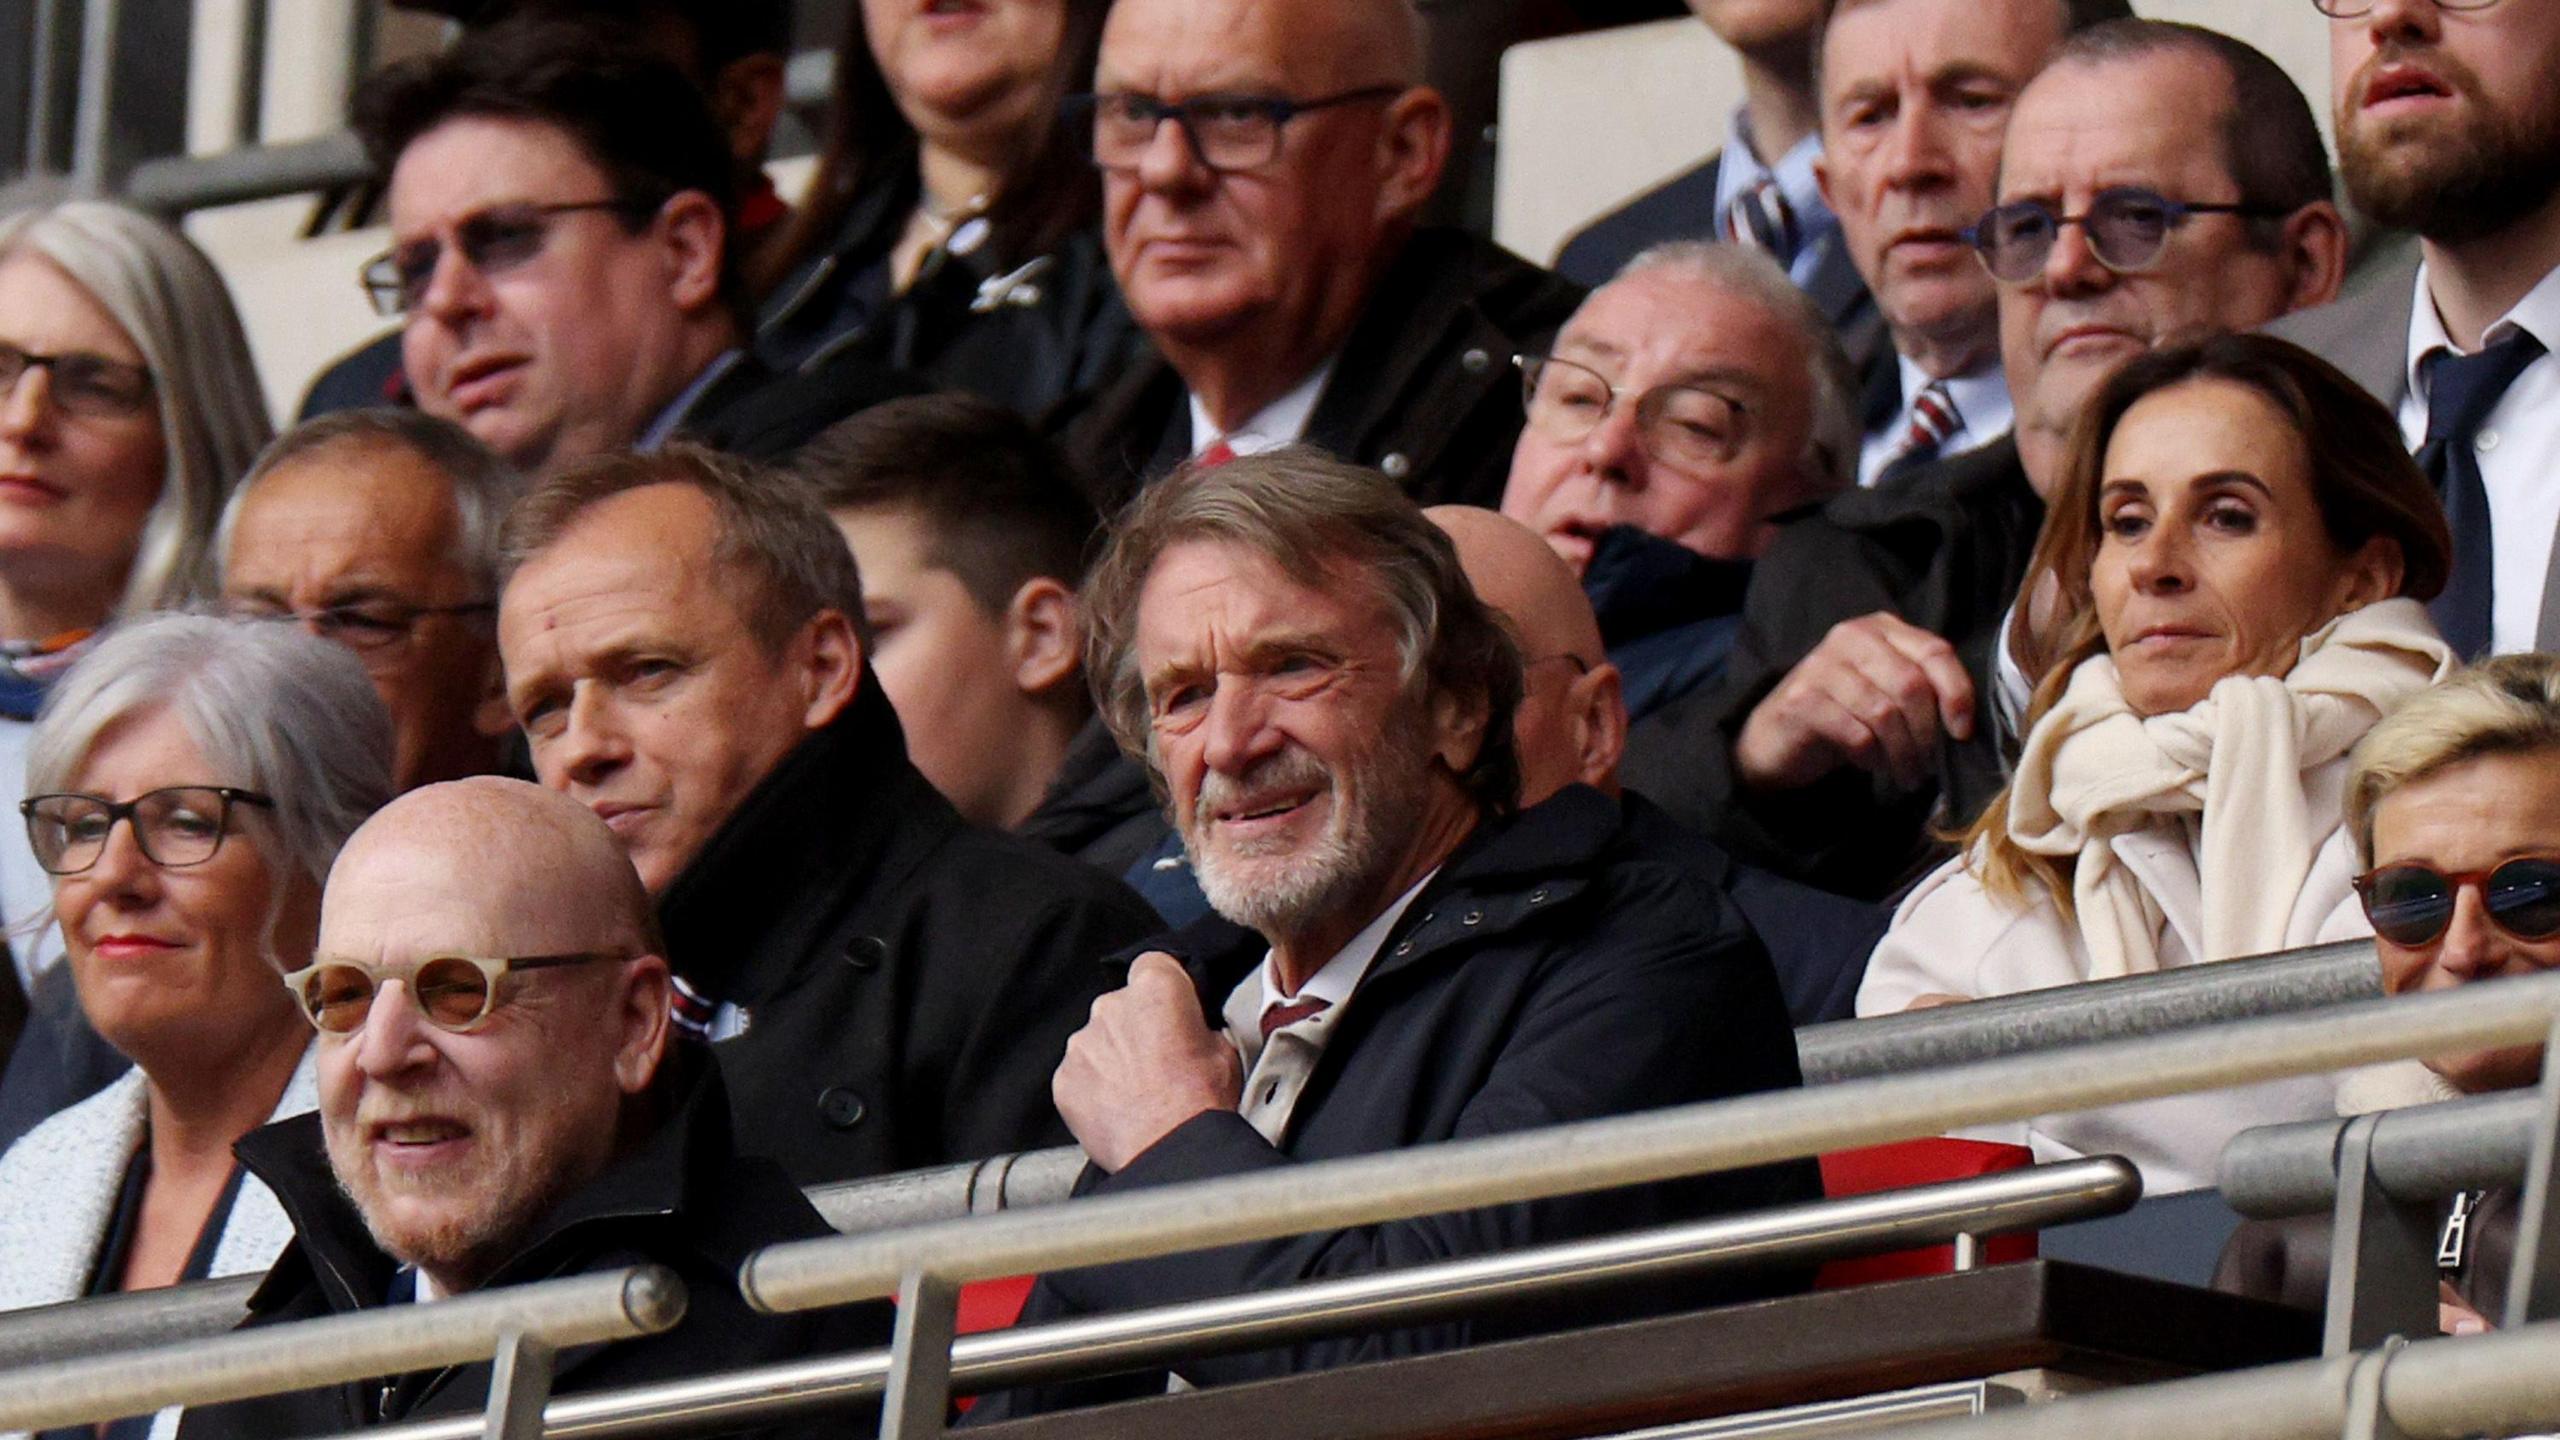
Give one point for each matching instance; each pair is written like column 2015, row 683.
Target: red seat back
column 1917, row 1162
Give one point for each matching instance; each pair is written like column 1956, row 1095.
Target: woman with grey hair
column 128, row 407
column 194, row 779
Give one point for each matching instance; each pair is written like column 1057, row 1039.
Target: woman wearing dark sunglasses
column 194, row 779
column 2229, row 582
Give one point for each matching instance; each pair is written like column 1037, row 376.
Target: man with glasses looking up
column 1264, row 162
column 2156, row 180
column 2448, row 125
column 502, row 1102
column 1688, row 407
column 379, row 529
column 561, row 214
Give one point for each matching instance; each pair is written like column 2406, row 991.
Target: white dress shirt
column 1817, row 229
column 1983, row 414
column 1282, row 422
column 1276, row 1071
column 2519, row 450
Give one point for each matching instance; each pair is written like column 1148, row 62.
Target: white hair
column 171, row 302
column 274, row 709
column 1833, row 439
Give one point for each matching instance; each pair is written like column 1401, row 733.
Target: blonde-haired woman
column 2239, row 545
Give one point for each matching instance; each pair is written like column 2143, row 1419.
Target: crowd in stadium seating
column 965, row 665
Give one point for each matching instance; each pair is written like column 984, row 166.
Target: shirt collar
column 1332, row 983
column 2537, row 314
column 663, row 428
column 1741, row 167
column 1282, row 422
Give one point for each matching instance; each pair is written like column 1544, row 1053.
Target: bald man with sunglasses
column 499, row 1105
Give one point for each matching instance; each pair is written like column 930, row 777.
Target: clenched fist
column 1143, row 1064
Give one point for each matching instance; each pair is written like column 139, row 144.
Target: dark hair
column 722, row 31
column 993, row 496
column 2271, row 144
column 765, row 526
column 1044, row 192
column 1323, row 522
column 2362, row 478
column 634, row 114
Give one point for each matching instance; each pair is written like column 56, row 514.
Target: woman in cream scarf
column 2232, row 571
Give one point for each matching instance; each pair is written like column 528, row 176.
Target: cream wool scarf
column 2093, row 771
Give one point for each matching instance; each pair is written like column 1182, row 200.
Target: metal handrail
column 2503, row 1383
column 2423, row 1153
column 133, row 1321
column 641, row 1300
column 1643, row 1148
column 1825, row 1230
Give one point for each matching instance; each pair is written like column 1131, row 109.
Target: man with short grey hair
column 1688, row 408
column 1397, row 957
column 379, row 529
column 888, row 986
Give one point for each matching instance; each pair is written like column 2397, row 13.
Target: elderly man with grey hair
column 1399, row 955
column 379, row 529
column 1691, row 406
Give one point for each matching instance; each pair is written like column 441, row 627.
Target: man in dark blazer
column 1857, row 712
column 887, row 986
column 1397, row 958
column 529, row 1126
column 2449, row 130
column 1274, row 257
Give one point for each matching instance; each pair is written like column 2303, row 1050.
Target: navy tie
column 2461, row 391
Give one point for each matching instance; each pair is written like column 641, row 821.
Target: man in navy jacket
column 1397, row 957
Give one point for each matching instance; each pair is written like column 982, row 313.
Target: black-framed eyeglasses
column 367, row 626
column 2127, row 227
column 1683, row 425
column 1225, row 132
column 493, row 241
column 452, row 992
column 2412, row 904
column 87, row 385
column 2358, row 9
column 176, row 826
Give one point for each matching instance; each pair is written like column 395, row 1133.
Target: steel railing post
column 2382, row 1255
column 519, row 1387
column 2533, row 1282
column 918, row 1398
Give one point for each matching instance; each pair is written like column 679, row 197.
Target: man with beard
column 2156, row 179
column 1397, row 958
column 507, row 1119
column 2449, row 126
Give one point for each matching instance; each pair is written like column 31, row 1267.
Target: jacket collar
column 844, row 812
column 1098, row 788
column 1641, row 584
column 1504, row 875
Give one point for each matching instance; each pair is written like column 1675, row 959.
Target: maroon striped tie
column 1281, row 1016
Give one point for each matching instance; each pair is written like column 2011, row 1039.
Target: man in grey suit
column 2449, row 127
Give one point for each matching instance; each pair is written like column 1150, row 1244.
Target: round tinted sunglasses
column 453, row 992
column 2413, row 904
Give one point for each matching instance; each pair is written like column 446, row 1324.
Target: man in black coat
column 1397, row 958
column 480, row 1129
column 887, row 985
column 1269, row 250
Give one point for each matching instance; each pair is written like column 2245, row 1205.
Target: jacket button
column 866, row 952
column 1473, row 917
column 1537, row 897
column 840, row 1108
column 1396, row 465
column 1475, row 362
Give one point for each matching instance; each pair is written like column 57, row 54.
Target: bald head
column 1572, row 721
column 490, row 866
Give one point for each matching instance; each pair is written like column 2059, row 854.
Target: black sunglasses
column 2412, row 904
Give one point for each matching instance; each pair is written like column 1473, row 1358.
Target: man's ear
column 695, row 237
column 493, row 716
column 1413, row 150
column 643, row 1011
column 1457, row 730
column 1599, row 710
column 2315, row 250
column 1043, row 636
column 827, row 660
column 1822, row 183
column 746, row 98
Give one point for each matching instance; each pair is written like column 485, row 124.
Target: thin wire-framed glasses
column 1684, row 425
column 493, row 241
column 452, row 992
column 91, row 386
column 1225, row 132
column 176, row 826
column 2358, row 9
column 2127, row 227
column 366, row 626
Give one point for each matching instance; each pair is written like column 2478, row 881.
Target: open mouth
column 2404, row 82
column 1265, row 810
